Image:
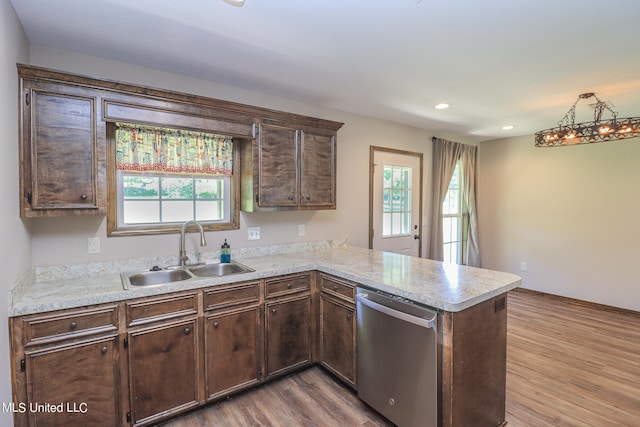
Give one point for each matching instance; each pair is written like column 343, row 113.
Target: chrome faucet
column 183, row 258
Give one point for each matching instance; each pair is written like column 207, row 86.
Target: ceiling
column 497, row 62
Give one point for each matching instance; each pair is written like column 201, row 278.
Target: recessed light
column 442, row 106
column 507, row 127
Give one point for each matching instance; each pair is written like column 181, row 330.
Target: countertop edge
column 504, row 282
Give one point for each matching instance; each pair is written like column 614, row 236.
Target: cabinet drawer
column 287, row 285
column 39, row 329
column 166, row 307
column 338, row 287
column 231, row 295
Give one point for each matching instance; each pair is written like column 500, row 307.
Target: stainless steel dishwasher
column 397, row 358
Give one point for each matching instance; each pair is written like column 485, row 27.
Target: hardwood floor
column 567, row 365
column 311, row 398
column 570, row 364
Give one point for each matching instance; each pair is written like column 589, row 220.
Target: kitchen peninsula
column 47, row 308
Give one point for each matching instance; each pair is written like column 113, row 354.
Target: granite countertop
column 442, row 286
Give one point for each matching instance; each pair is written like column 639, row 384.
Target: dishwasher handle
column 420, row 321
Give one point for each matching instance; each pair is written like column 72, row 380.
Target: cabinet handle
column 104, row 349
column 83, row 196
column 335, row 287
column 187, row 331
column 73, row 325
column 349, row 316
column 290, row 197
column 273, row 310
column 289, row 285
column 216, row 324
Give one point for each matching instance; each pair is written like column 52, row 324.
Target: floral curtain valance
column 146, row 148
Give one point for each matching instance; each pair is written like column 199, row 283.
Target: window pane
column 386, row 224
column 386, row 200
column 209, row 210
column 141, row 212
column 177, row 188
column 140, row 187
column 177, row 211
column 209, row 188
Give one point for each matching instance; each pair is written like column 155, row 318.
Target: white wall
column 15, row 249
column 570, row 213
column 64, row 240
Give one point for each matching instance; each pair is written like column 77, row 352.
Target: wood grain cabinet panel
column 278, row 166
column 318, row 170
column 163, row 370
column 338, row 338
column 288, row 334
column 62, row 150
column 232, row 350
column 80, row 379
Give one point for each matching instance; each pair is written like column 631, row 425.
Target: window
column 160, row 178
column 453, row 220
column 396, row 200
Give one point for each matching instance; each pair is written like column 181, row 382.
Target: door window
column 396, row 200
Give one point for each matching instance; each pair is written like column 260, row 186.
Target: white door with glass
column 397, row 198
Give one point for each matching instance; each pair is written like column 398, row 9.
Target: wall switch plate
column 253, row 233
column 93, row 245
column 523, row 266
column 302, row 230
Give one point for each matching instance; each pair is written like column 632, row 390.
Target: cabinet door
column 288, row 338
column 337, row 338
column 163, row 370
column 79, row 381
column 232, row 356
column 318, row 170
column 59, row 150
column 278, row 170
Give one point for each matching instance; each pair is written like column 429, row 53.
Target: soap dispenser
column 225, row 252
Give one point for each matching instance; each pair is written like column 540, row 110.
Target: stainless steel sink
column 219, row 269
column 159, row 277
column 154, row 277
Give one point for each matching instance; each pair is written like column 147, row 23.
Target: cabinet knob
column 104, row 349
column 335, row 287
column 73, row 325
column 349, row 316
column 187, row 331
column 83, row 196
column 290, row 197
column 273, row 310
column 216, row 324
column 289, row 285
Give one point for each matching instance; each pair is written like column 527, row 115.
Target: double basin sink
column 158, row 277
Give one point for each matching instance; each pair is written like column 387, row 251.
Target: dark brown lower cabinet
column 338, row 338
column 232, row 350
column 163, row 370
column 288, row 333
column 73, row 384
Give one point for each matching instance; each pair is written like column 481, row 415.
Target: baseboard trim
column 589, row 304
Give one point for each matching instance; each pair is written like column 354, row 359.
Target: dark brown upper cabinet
column 288, row 161
column 290, row 167
column 62, row 152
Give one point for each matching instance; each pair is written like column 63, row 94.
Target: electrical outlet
column 93, row 245
column 523, row 266
column 253, row 233
column 302, row 230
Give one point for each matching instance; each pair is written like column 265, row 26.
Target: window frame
column 113, row 206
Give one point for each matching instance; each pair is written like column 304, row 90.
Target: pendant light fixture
column 568, row 132
column 236, row 3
